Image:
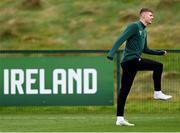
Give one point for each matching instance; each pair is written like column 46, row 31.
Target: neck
column 143, row 22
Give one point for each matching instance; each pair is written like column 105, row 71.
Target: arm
column 153, row 52
column 128, row 32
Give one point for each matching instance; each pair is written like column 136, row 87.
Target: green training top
column 136, row 43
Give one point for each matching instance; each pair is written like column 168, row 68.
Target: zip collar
column 143, row 26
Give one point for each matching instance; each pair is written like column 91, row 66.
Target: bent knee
column 159, row 66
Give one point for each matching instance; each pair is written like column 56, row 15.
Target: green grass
column 149, row 116
column 88, row 122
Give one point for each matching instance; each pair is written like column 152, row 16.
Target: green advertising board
column 64, row 80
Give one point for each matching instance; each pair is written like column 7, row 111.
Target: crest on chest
column 140, row 32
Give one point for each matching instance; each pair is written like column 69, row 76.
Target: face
column 147, row 17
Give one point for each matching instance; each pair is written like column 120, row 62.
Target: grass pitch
column 81, row 121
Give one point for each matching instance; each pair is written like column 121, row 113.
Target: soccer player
column 135, row 36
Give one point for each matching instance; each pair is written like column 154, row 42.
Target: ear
column 142, row 15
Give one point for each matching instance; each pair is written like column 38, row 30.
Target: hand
column 165, row 52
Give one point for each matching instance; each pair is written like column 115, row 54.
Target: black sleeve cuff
column 109, row 58
column 161, row 52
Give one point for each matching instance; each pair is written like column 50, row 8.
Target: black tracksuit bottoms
column 129, row 70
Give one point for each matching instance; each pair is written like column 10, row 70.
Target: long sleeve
column 150, row 51
column 127, row 33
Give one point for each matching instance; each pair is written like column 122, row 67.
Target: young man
column 135, row 36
